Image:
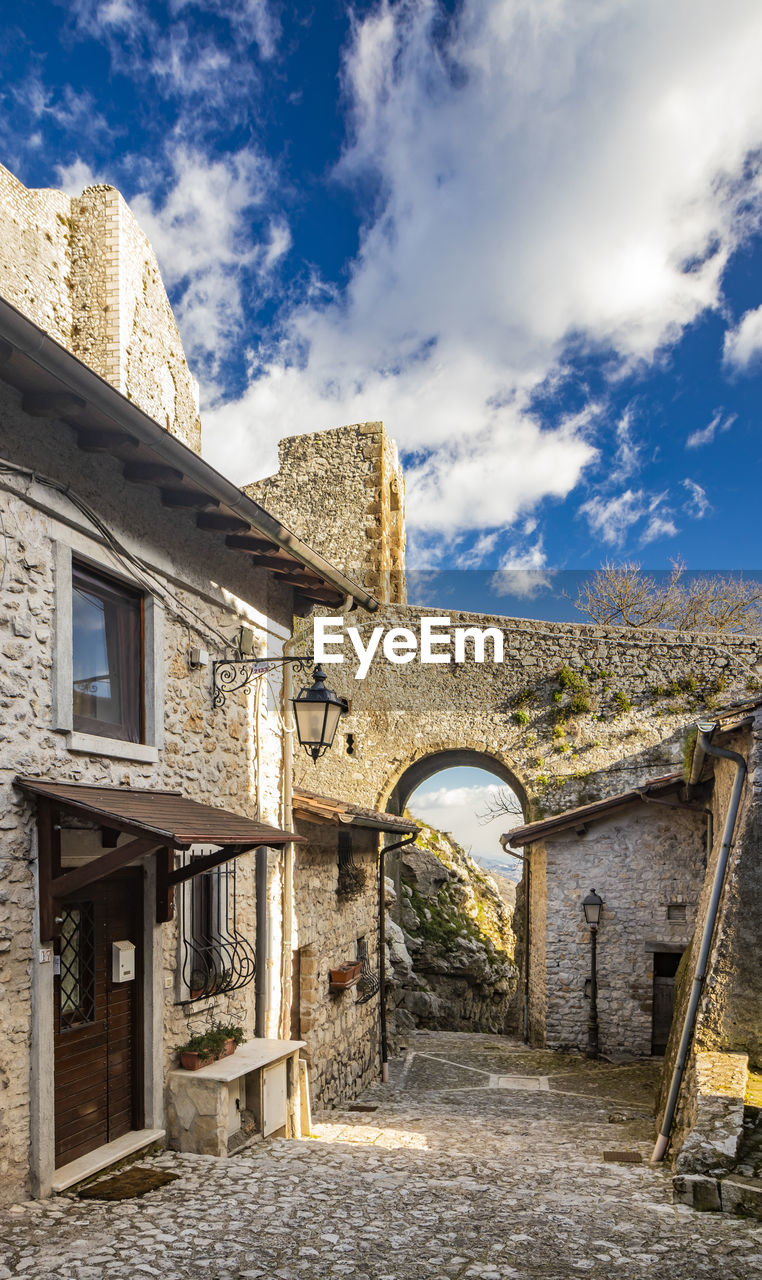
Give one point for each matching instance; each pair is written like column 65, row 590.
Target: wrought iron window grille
column 215, row 956
column 370, row 983
column 76, row 988
column 351, row 878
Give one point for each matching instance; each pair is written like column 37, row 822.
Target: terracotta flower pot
column 192, row 1061
column 229, row 1047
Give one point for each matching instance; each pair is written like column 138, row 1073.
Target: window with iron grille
column 215, row 957
column 76, row 987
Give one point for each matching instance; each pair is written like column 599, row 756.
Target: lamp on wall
column 317, row 711
column 591, row 905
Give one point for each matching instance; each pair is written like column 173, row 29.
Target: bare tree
column 501, row 802
column 623, row 595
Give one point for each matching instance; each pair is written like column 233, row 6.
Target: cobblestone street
column 481, row 1159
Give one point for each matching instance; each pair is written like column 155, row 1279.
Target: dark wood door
column 97, row 1042
column 665, row 968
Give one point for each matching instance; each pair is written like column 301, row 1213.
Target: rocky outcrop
column 449, row 942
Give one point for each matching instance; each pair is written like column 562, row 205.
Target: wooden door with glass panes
column 97, row 1042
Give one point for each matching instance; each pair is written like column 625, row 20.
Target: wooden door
column 665, row 968
column 97, row 1022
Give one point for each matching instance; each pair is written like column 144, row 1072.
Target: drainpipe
column 287, row 994
column 704, row 747
column 260, row 880
column 400, row 844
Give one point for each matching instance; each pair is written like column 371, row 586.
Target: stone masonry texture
column 640, row 862
column 341, row 1035
column 480, row 1161
column 343, row 492
column 81, row 269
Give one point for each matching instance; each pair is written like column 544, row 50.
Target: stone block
column 742, row 1196
column 697, row 1191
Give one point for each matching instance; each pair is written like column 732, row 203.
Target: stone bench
column 262, row 1078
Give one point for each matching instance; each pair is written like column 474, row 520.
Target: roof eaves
column 584, row 814
column 21, row 336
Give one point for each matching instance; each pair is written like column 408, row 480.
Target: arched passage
column 426, row 766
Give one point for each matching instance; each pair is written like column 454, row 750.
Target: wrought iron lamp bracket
column 231, row 674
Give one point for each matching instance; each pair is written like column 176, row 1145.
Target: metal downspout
column 705, row 745
column 287, row 995
column 260, row 879
column 527, row 887
column 400, row 844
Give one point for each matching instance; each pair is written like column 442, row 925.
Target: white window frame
column 63, row 666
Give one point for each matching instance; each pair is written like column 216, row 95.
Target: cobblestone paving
column 454, row 1176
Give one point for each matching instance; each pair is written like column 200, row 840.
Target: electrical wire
column 147, row 578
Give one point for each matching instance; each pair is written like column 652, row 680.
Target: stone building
column 133, row 906
column 676, row 863
column 81, row 269
column 337, row 896
column 344, row 489
column 644, row 853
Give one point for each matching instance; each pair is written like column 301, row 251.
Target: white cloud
column 705, row 435
column 522, row 573
column 201, row 234
column 697, row 503
column 534, row 171
column 73, row 178
column 611, row 519
column 742, row 349
column 456, row 809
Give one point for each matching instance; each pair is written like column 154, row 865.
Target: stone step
column 733, row 1194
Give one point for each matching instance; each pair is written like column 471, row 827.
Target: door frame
column 149, row 1070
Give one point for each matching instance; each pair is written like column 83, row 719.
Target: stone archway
column 573, row 713
column 449, row 758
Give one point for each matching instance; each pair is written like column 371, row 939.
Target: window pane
column 107, row 659
column 77, row 984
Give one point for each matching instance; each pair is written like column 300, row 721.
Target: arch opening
column 421, row 770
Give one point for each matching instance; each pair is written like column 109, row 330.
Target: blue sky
column 525, row 233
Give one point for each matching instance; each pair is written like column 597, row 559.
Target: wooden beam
column 192, row 498
column 45, row 868
column 6, row 352
column 256, row 544
column 151, row 473
column 165, row 894
column 321, row 595
column 89, row 872
column 52, row 404
column 105, row 441
column 221, row 523
column 198, row 865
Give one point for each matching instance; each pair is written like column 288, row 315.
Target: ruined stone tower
column 81, row 269
column 343, row 491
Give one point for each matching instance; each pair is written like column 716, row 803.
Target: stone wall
column 729, row 1018
column 81, row 269
column 639, row 861
column 574, row 712
column 341, row 1035
column 343, row 491
column 232, row 757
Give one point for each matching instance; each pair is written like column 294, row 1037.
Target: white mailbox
column 122, row 961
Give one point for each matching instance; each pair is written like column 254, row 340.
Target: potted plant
column 234, row 1035
column 196, row 1052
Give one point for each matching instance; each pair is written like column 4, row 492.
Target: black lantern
column 317, row 711
column 592, row 909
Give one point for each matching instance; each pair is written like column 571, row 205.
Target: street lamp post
column 592, row 908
